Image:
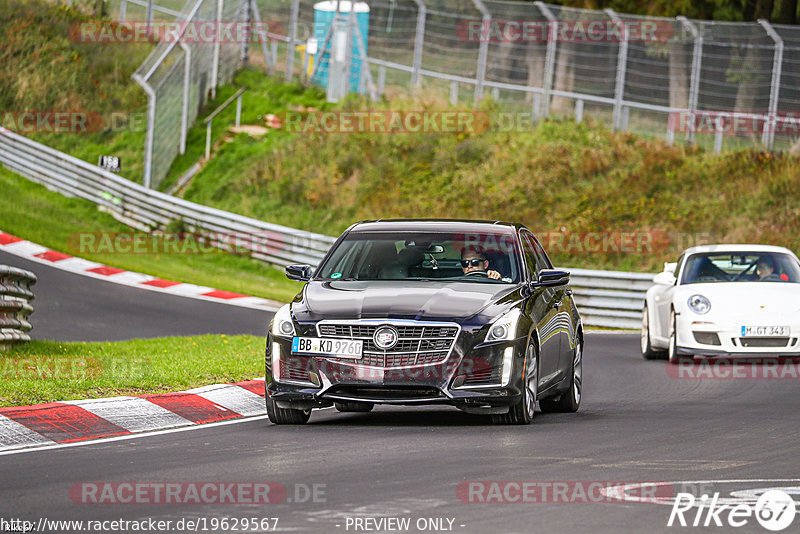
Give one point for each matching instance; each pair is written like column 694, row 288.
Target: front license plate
column 341, row 348
column 765, row 331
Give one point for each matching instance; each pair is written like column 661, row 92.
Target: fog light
column 276, row 361
column 508, row 362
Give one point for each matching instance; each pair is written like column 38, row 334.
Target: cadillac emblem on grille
column 385, row 337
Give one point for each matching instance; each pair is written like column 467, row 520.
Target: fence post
column 151, row 121
column 453, row 93
column 549, row 57
column 419, row 40
column 248, row 19
column 483, row 51
column 622, row 61
column 694, row 84
column 215, row 57
column 381, row 79
column 187, row 78
column 123, row 9
column 292, row 37
column 768, row 135
column 149, row 16
column 261, row 37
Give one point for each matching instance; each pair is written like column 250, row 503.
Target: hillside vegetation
column 560, row 178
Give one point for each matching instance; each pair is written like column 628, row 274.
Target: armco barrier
column 605, row 298
column 15, row 307
column 146, row 209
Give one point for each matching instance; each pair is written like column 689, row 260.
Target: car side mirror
column 664, row 279
column 553, row 277
column 298, row 273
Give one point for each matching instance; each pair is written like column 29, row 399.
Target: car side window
column 529, row 251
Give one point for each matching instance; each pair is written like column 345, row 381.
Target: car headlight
column 282, row 324
column 699, row 304
column 504, row 328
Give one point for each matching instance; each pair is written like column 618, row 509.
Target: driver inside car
column 473, row 260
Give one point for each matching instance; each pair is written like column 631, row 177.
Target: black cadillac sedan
column 470, row 314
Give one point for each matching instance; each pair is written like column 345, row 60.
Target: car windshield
column 468, row 257
column 741, row 267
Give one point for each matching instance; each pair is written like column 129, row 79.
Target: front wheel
column 521, row 412
column 570, row 400
column 648, row 352
column 286, row 416
column 672, row 353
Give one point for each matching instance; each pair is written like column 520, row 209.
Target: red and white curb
column 38, row 253
column 83, row 420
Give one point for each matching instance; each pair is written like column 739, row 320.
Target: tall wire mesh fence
column 709, row 82
column 715, row 83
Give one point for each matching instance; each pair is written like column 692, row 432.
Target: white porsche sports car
column 719, row 300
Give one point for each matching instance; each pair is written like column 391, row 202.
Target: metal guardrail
column 148, row 210
column 610, row 298
column 605, row 298
column 15, row 307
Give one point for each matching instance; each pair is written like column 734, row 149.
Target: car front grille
column 417, row 344
column 764, row 341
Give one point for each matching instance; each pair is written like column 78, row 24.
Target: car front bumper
column 710, row 338
column 471, row 378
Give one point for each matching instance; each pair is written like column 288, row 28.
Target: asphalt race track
column 637, row 423
column 72, row 307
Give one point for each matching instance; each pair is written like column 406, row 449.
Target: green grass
column 44, row 69
column 30, row 211
column 559, row 178
column 45, row 371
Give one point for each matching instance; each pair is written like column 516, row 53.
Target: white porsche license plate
column 765, row 331
column 340, row 348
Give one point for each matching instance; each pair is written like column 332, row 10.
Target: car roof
column 737, row 248
column 435, row 225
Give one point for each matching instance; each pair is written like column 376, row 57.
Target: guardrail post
column 549, row 56
column 208, row 140
column 381, row 79
column 123, row 9
column 694, row 83
column 622, row 61
column 239, row 111
column 483, row 51
column 454, row 93
column 419, row 41
column 579, row 111
column 292, row 37
column 718, row 131
column 777, row 63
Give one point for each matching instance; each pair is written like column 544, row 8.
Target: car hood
column 452, row 301
column 745, row 298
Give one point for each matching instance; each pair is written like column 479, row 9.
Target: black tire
column 522, row 411
column 351, row 406
column 570, row 400
column 648, row 352
column 672, row 354
column 286, row 416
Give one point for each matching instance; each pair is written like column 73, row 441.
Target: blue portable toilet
column 333, row 57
